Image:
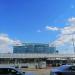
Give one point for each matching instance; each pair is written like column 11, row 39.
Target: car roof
column 66, row 65
column 7, row 67
column 10, row 67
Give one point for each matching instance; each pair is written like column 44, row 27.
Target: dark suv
column 10, row 71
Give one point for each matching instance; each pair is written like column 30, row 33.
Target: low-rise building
column 34, row 48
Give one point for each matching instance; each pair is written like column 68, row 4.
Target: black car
column 63, row 70
column 10, row 71
column 13, row 71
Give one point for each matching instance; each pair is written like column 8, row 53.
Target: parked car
column 10, row 71
column 24, row 66
column 63, row 70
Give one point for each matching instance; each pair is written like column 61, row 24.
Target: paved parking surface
column 38, row 72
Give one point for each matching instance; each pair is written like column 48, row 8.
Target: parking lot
column 37, row 71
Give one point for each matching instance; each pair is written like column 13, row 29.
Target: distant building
column 33, row 48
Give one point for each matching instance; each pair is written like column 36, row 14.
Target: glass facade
column 33, row 48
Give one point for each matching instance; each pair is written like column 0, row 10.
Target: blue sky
column 21, row 19
column 26, row 20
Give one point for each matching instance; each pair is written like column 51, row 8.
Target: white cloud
column 72, row 20
column 63, row 39
column 17, row 42
column 68, row 30
column 6, row 43
column 66, row 33
column 52, row 28
column 5, row 39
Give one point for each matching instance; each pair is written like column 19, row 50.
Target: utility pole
column 73, row 43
